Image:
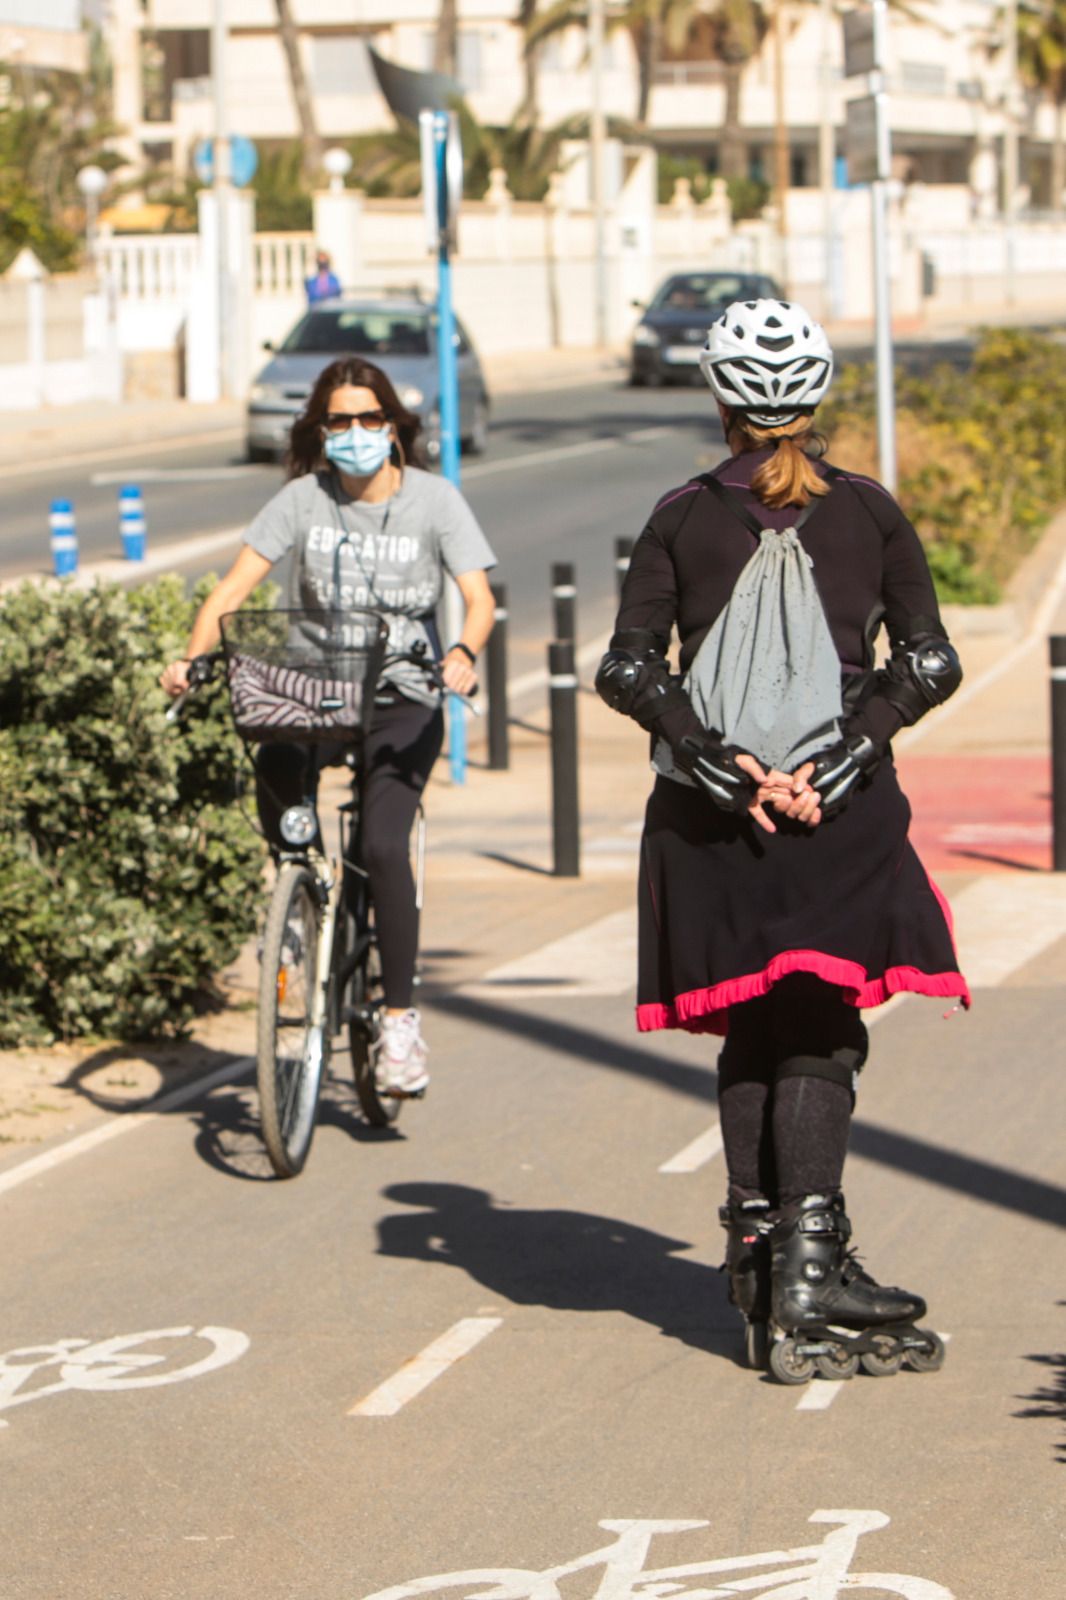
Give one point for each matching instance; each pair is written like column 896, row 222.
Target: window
column 340, row 64
column 922, row 77
column 360, row 333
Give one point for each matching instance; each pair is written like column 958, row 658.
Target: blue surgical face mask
column 359, row 451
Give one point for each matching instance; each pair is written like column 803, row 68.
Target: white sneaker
column 400, row 1069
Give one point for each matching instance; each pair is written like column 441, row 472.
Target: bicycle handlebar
column 201, row 671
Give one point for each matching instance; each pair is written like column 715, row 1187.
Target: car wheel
column 258, row 452
column 477, row 440
column 637, row 380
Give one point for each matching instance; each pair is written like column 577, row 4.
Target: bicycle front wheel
column 291, row 1055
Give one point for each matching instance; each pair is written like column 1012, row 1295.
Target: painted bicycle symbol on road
column 111, row 1365
column 808, row 1572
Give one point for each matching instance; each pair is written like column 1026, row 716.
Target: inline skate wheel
column 757, row 1345
column 931, row 1359
column 787, row 1364
column 841, row 1364
column 884, row 1360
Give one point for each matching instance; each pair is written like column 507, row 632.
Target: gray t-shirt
column 388, row 557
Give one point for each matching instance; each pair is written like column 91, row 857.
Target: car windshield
column 374, row 332
column 706, row 291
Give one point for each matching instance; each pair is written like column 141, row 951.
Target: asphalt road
column 281, row 1445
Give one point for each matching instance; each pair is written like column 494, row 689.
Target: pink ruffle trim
column 706, row 1010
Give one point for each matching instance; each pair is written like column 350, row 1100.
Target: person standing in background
column 323, row 284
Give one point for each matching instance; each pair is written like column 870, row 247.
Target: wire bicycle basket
column 306, row 676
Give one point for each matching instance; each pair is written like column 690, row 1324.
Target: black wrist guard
column 712, row 765
column 838, row 770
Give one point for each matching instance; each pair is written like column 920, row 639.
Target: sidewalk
column 27, row 437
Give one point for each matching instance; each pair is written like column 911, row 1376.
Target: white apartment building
column 948, row 92
column 42, row 36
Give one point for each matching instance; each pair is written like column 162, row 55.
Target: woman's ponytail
column 790, row 477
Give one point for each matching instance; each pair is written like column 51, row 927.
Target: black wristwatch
column 465, row 648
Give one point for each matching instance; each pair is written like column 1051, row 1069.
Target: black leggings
column 784, row 1089
column 401, row 747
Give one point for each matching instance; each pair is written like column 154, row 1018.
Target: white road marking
column 181, row 442
column 599, row 959
column 100, row 480
column 424, row 1369
column 565, row 452
column 704, row 1148
column 1002, row 923
column 48, row 1160
column 820, row 1394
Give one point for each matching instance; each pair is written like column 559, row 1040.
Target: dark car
column 397, row 333
column 669, row 336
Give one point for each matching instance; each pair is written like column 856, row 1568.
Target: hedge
column 129, row 872
column 982, row 454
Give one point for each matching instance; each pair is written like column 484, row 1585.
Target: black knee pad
column 842, row 1067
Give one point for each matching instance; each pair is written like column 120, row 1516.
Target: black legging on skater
column 403, row 743
column 786, row 1135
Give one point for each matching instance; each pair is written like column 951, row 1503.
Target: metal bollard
column 131, row 523
column 496, row 668
column 564, row 597
column 64, row 539
column 623, row 550
column 566, row 830
column 1057, row 644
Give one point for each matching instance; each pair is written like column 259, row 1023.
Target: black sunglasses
column 341, row 421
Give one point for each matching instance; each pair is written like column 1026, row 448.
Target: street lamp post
column 597, row 136
column 1010, row 147
column 91, row 182
column 223, row 188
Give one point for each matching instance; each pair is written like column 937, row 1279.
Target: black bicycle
column 310, row 678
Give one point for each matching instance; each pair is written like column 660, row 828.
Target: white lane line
column 425, row 1368
column 179, row 442
column 1041, row 621
column 820, row 1394
column 36, row 1166
column 599, row 959
column 698, row 1153
column 1002, row 923
column 100, row 480
column 565, row 452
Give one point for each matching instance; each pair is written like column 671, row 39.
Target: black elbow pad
column 922, row 674
column 634, row 678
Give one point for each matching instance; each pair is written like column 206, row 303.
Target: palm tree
column 446, row 38
column 310, row 138
column 1042, row 62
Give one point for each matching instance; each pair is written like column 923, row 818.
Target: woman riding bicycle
column 778, row 890
column 367, row 528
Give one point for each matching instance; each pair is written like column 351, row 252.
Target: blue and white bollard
column 64, row 539
column 131, row 523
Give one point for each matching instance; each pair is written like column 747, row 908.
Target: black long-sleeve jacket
column 868, row 564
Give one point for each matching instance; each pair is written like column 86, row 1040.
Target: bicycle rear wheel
column 291, row 1055
column 364, row 1029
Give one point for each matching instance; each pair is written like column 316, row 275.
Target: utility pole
column 597, row 136
column 223, row 188
column 827, row 159
column 782, row 162
column 886, row 378
column 1010, row 148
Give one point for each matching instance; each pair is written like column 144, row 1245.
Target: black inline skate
column 827, row 1313
column 747, row 1260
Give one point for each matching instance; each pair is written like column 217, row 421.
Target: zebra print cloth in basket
column 271, row 701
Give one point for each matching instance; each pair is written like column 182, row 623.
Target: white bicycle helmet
column 768, row 359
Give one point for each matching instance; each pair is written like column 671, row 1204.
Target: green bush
column 129, row 873
column 982, row 454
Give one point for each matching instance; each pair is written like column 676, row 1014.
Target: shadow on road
column 564, row 1261
column 985, row 1181
column 1049, row 1401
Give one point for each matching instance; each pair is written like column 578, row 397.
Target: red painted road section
column 979, row 813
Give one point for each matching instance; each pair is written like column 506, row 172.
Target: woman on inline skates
column 778, row 891
column 367, row 528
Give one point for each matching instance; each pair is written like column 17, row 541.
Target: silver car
column 397, row 333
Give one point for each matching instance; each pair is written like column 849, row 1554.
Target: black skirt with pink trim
column 726, row 910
